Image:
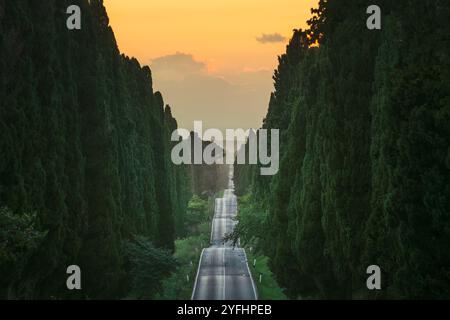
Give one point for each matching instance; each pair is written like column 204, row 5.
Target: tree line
column 85, row 169
column 365, row 161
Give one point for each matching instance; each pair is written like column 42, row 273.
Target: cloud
column 271, row 38
column 176, row 67
column 231, row 100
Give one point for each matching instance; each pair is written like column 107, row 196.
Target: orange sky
column 219, row 34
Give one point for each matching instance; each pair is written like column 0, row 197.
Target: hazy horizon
column 220, row 63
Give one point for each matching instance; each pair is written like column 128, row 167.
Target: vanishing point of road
column 223, row 272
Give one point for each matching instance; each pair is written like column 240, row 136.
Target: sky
column 212, row 60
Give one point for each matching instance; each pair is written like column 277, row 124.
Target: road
column 223, row 272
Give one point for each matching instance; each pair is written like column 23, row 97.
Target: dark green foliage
column 364, row 174
column 196, row 213
column 85, row 144
column 181, row 181
column 19, row 239
column 251, row 224
column 149, row 266
column 206, row 179
column 188, row 248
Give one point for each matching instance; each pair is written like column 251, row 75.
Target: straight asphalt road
column 223, row 272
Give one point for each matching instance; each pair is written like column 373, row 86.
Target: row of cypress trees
column 365, row 160
column 84, row 149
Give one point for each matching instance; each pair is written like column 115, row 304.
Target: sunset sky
column 212, row 59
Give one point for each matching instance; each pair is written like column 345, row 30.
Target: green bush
column 149, row 266
column 19, row 238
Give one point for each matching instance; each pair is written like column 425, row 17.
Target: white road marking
column 225, row 210
column 198, row 271
column 250, row 275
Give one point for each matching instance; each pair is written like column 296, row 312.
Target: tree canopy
column 85, row 146
column 364, row 171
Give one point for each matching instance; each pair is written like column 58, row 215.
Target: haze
column 213, row 60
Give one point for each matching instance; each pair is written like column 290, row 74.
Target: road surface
column 223, row 272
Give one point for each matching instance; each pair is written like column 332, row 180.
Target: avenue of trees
column 365, row 161
column 85, row 170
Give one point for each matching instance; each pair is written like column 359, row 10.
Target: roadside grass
column 187, row 251
column 268, row 288
column 180, row 284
